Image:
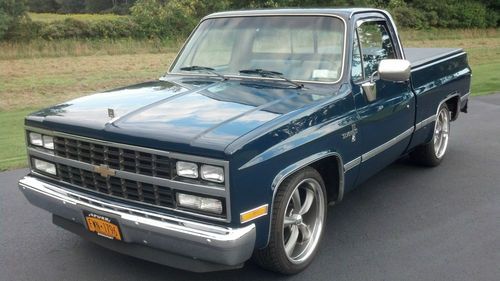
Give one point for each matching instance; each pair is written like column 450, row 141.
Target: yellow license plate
column 103, row 226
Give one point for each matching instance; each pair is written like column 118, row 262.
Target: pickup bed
column 263, row 120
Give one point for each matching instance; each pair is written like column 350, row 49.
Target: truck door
column 385, row 123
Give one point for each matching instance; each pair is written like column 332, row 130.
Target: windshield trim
column 169, row 72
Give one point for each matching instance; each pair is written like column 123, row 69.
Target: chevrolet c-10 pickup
column 263, row 120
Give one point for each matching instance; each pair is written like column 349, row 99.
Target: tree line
column 175, row 18
column 80, row 6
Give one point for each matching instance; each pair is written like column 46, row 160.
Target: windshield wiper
column 203, row 68
column 270, row 74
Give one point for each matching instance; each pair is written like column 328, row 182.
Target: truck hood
column 183, row 115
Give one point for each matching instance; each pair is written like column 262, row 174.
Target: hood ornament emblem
column 111, row 113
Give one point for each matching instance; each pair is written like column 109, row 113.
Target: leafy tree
column 11, row 13
column 173, row 18
column 95, row 6
column 43, row 6
column 201, row 8
column 71, row 6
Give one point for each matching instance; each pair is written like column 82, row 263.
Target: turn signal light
column 254, row 213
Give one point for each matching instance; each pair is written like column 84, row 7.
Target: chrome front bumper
column 186, row 244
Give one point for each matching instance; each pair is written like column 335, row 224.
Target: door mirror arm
column 370, row 88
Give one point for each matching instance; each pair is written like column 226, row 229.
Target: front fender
column 256, row 173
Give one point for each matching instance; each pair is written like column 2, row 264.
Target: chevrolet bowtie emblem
column 104, row 170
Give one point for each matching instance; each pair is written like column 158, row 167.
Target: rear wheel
column 299, row 215
column 432, row 153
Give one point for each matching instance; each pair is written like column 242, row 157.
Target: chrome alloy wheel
column 441, row 133
column 303, row 220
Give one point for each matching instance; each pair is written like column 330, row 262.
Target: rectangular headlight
column 187, row 169
column 41, row 140
column 204, row 204
column 36, row 139
column 48, row 142
column 44, row 166
column 212, row 173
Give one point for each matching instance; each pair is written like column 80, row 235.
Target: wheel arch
column 453, row 104
column 324, row 162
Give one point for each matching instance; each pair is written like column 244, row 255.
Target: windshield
column 305, row 48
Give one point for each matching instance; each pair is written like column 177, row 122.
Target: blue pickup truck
column 263, row 120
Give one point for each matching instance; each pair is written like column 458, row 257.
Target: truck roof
column 343, row 12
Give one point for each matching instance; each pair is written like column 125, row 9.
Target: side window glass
column 357, row 67
column 376, row 45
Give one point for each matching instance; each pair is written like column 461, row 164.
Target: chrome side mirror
column 394, row 70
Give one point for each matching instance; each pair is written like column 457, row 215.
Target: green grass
column 485, row 79
column 12, row 146
column 36, row 74
column 76, row 48
column 35, row 83
column 49, row 17
column 30, row 84
column 434, row 34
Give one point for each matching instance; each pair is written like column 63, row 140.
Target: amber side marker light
column 254, row 213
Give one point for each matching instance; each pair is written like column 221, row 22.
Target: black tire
column 274, row 257
column 429, row 154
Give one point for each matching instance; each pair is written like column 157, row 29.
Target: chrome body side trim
column 425, row 122
column 432, row 118
column 464, row 97
column 167, row 233
column 351, row 164
column 366, row 156
column 263, row 15
column 379, row 149
column 219, row 191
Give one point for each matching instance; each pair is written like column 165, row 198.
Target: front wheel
column 432, row 153
column 298, row 219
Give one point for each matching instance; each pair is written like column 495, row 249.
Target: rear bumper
column 152, row 236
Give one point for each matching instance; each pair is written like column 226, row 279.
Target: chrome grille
column 116, row 158
column 119, row 159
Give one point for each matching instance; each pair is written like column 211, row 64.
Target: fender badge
column 111, row 113
column 352, row 133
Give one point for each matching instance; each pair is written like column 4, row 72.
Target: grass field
column 75, row 48
column 37, row 74
column 49, row 17
column 30, row 84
